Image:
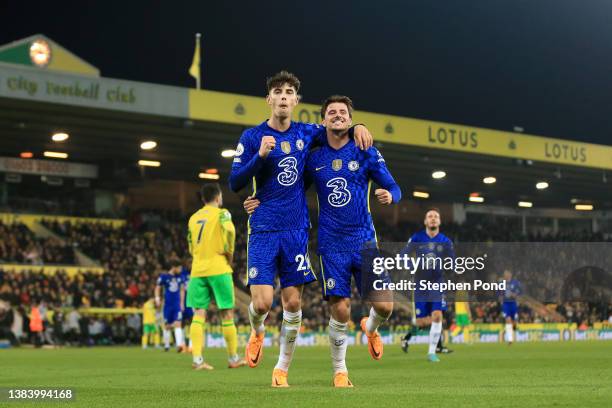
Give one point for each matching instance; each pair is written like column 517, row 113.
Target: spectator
column 36, row 325
column 6, row 324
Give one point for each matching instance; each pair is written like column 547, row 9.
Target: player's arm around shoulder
column 313, row 133
column 363, row 137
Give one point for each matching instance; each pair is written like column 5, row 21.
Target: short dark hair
column 280, row 78
column 337, row 99
column 210, row 191
column 436, row 209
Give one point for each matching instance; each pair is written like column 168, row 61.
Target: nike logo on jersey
column 319, row 168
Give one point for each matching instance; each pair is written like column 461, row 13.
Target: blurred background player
column 211, row 238
column 463, row 314
column 429, row 243
column 187, row 311
column 342, row 174
column 174, row 295
column 273, row 156
column 149, row 326
column 510, row 305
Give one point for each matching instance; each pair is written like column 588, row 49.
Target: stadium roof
column 108, row 119
column 185, row 147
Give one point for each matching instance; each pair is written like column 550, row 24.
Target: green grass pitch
column 487, row 375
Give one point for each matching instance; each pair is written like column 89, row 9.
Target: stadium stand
column 133, row 255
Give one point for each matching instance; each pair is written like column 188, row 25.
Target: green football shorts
column 149, row 328
column 463, row 320
column 201, row 290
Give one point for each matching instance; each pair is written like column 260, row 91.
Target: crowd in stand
column 20, row 245
column 59, row 327
column 135, row 254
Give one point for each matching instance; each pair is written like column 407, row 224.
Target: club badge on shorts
column 337, row 164
column 286, row 147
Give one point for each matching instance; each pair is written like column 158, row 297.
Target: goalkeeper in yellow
column 211, row 238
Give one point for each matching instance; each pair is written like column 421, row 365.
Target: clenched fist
column 250, row 204
column 267, row 145
column 384, row 197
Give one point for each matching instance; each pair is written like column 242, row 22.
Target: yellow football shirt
column 148, row 312
column 461, row 308
column 211, row 237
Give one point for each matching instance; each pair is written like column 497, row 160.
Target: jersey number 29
column 304, row 262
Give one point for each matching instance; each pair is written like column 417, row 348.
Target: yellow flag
column 194, row 70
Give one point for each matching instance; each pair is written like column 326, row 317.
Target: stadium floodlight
column 60, row 136
column 148, row 145
column 476, row 199
column 438, row 174
column 525, row 204
column 228, row 153
column 542, row 185
column 26, row 155
column 56, row 155
column 208, row 176
column 420, row 194
column 489, row 180
column 149, row 163
column 584, row 207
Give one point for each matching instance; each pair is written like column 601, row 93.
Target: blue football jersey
column 424, row 247
column 513, row 290
column 278, row 180
column 185, row 275
column 172, row 289
column 343, row 180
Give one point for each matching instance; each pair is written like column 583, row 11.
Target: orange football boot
column 279, row 378
column 341, row 380
column 254, row 349
column 375, row 344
